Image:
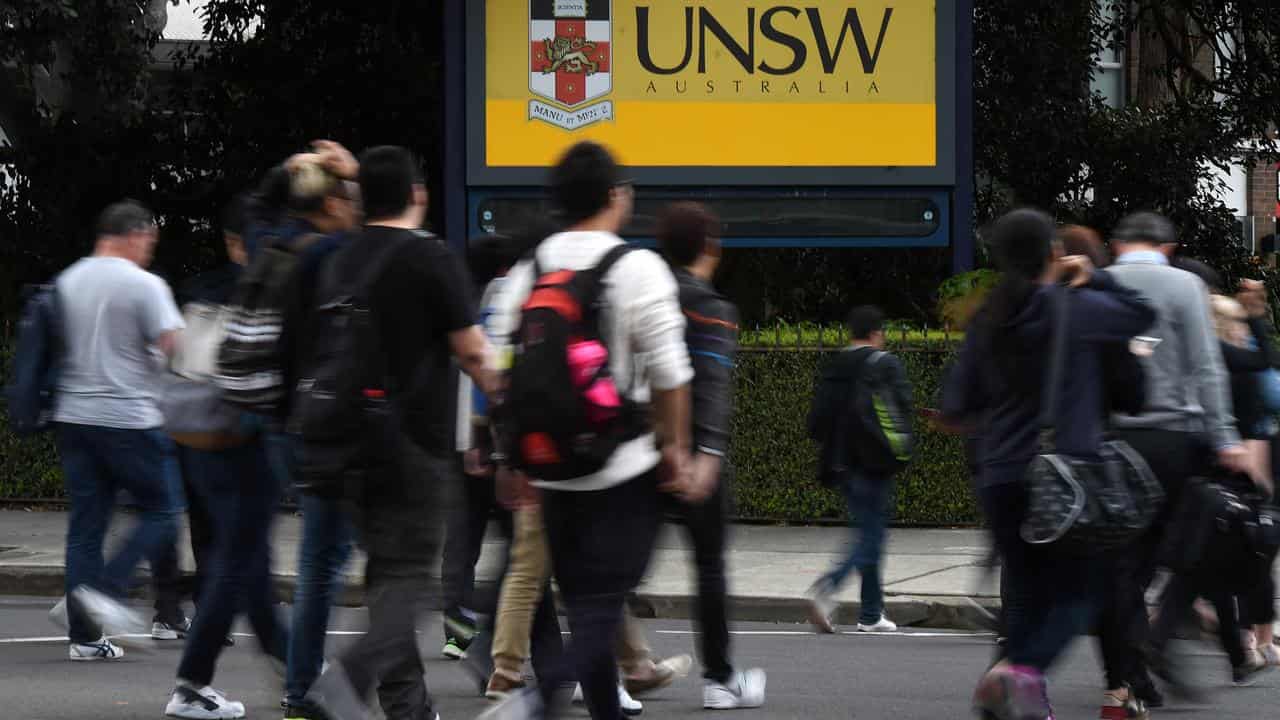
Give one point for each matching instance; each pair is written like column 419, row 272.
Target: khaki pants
column 527, row 572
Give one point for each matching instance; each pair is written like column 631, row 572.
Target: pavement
column 917, row 675
column 933, row 578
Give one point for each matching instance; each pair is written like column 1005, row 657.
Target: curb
column 933, row 612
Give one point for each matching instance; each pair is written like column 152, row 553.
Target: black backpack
column 564, row 415
column 344, row 404
column 880, row 434
column 250, row 360
column 33, row 374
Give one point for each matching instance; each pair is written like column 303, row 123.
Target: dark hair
column 683, row 230
column 268, row 202
column 1022, row 243
column 489, row 255
column 1211, row 277
column 387, row 176
column 865, row 320
column 124, row 217
column 581, row 182
column 1081, row 240
column 1146, row 228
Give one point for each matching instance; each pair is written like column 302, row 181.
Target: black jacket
column 1102, row 314
column 829, row 415
column 711, row 332
column 1244, row 364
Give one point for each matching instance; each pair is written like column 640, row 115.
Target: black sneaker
column 170, row 629
column 1146, row 692
column 303, row 712
column 459, row 631
column 1247, row 674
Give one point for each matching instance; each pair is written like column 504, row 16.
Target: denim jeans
column 326, row 546
column 1049, row 596
column 170, row 584
column 242, row 500
column 867, row 500
column 97, row 462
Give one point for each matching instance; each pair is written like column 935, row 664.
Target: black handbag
column 1084, row 506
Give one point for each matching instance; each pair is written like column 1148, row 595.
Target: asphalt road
column 906, row 677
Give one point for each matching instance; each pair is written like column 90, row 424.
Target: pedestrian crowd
column 572, row 391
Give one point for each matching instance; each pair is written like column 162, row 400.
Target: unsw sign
column 570, row 61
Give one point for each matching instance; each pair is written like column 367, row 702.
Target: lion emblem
column 570, row 55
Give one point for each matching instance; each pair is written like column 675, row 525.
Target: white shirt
column 113, row 313
column 642, row 325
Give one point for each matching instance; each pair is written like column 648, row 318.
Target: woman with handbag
column 1005, row 375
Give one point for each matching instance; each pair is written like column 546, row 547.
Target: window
column 1108, row 75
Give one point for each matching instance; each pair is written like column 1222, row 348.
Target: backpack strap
column 595, row 285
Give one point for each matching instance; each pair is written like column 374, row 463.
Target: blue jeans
column 1048, row 596
column 867, row 500
column 234, row 485
column 326, row 545
column 97, row 462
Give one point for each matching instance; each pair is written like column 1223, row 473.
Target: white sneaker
column 203, row 703
column 113, row 616
column 744, row 690
column 1271, row 654
column 630, row 706
column 883, row 625
column 103, row 649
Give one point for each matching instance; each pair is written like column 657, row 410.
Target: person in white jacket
column 601, row 528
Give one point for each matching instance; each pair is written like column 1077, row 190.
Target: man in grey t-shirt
column 119, row 322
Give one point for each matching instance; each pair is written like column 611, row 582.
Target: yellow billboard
column 712, row 83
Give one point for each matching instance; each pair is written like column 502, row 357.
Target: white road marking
column 758, row 633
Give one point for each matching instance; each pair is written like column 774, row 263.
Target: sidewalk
column 932, row 577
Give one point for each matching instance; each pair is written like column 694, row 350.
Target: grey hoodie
column 1188, row 389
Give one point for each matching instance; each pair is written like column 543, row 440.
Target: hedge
column 773, row 461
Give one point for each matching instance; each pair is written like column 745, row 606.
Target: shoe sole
column 91, row 658
column 453, row 653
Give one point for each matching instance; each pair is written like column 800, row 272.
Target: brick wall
column 1262, row 195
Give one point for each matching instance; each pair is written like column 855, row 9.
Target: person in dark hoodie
column 868, row 493
column 997, row 386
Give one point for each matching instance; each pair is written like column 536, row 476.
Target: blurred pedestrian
column 1000, row 383
column 865, row 479
column 116, row 316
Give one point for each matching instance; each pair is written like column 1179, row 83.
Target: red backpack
column 565, row 415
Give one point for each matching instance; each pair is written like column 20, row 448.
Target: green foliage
column 28, row 466
column 810, row 335
column 775, row 463
column 960, row 296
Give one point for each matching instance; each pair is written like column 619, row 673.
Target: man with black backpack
column 372, row 411
column 597, row 335
column 861, row 416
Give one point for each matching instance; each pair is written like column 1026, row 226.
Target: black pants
column 600, row 544
column 233, row 485
column 474, row 503
column 1175, row 608
column 1174, row 457
column 707, row 526
column 170, row 585
column 399, row 530
column 1258, row 606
